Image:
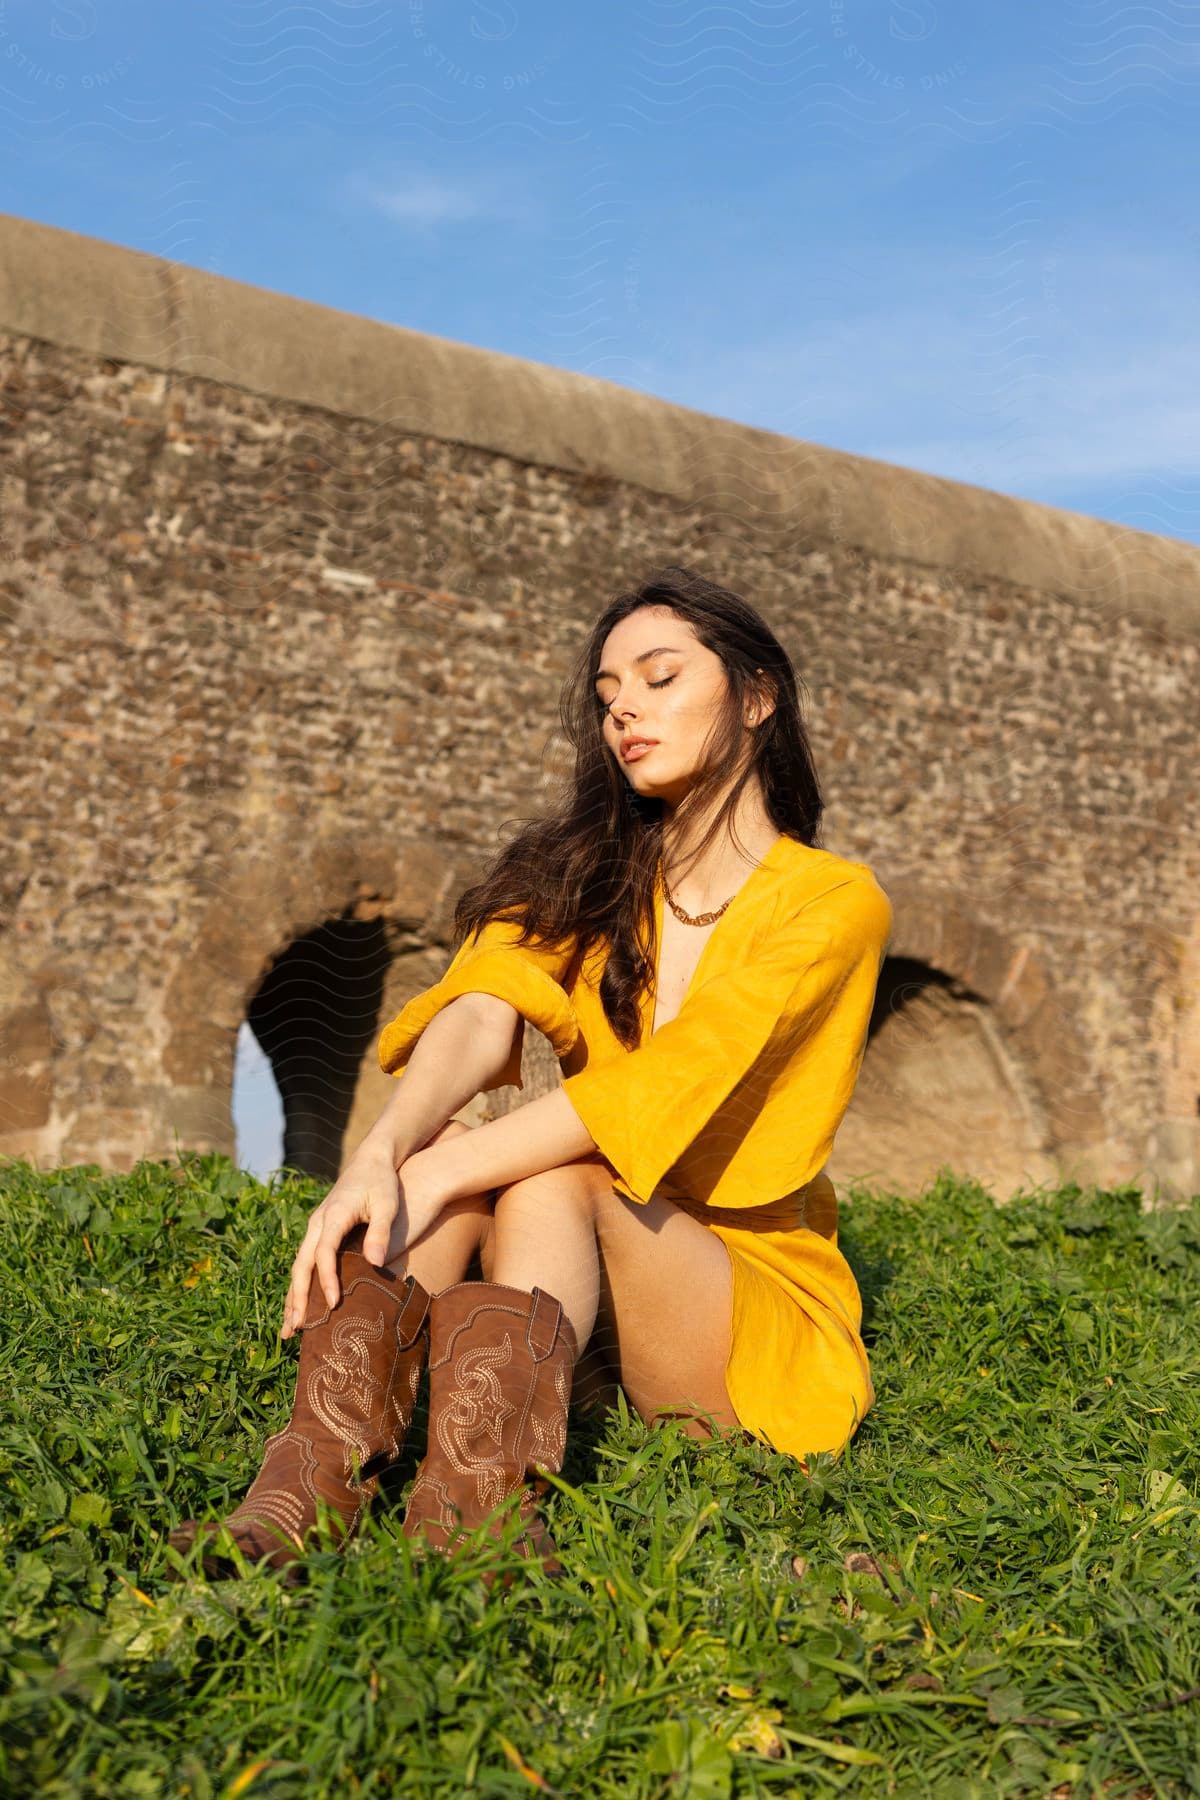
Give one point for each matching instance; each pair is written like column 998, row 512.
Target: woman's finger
column 337, row 1222
column 302, row 1269
column 379, row 1236
column 326, row 1257
column 292, row 1316
column 381, row 1217
column 292, row 1308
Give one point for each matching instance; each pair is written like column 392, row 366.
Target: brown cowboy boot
column 500, row 1368
column 356, row 1390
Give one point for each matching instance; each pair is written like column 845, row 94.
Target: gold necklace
column 707, row 918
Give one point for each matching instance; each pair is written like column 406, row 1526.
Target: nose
column 616, row 713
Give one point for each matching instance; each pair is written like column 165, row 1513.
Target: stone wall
column 279, row 584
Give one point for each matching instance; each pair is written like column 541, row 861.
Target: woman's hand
column 397, row 1206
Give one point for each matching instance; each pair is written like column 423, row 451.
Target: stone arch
column 316, row 950
column 971, row 1061
column 316, row 1014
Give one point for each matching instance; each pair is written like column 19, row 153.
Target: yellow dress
column 729, row 1109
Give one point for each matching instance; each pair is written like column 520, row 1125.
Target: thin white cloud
column 1039, row 372
column 428, row 201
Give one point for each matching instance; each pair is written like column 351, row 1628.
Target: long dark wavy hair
column 585, row 874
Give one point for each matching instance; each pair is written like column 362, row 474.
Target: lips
column 633, row 748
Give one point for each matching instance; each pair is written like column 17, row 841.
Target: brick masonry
column 278, row 584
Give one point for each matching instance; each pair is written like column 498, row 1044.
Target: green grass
column 993, row 1592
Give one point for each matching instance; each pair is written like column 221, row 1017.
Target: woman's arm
column 801, row 1004
column 459, row 1054
column 541, row 1135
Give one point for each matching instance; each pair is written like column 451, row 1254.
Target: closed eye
column 665, row 682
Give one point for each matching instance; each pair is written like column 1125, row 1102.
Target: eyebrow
column 662, row 650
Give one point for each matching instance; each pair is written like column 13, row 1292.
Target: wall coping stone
column 87, row 294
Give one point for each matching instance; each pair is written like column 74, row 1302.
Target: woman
column 665, row 1208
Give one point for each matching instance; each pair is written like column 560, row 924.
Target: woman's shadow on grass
column 872, row 1268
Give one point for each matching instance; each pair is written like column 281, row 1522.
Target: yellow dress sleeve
column 793, row 1019
column 490, row 961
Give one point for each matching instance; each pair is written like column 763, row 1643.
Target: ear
column 763, row 705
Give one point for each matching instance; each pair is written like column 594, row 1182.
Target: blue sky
column 958, row 239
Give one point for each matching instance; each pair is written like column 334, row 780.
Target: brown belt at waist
column 789, row 1209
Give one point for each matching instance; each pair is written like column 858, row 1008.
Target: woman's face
column 659, row 682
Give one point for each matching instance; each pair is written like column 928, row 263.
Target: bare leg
column 546, row 1237
column 443, row 1254
column 651, row 1283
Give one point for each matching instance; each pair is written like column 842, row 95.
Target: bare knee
column 481, row 1204
column 451, row 1129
